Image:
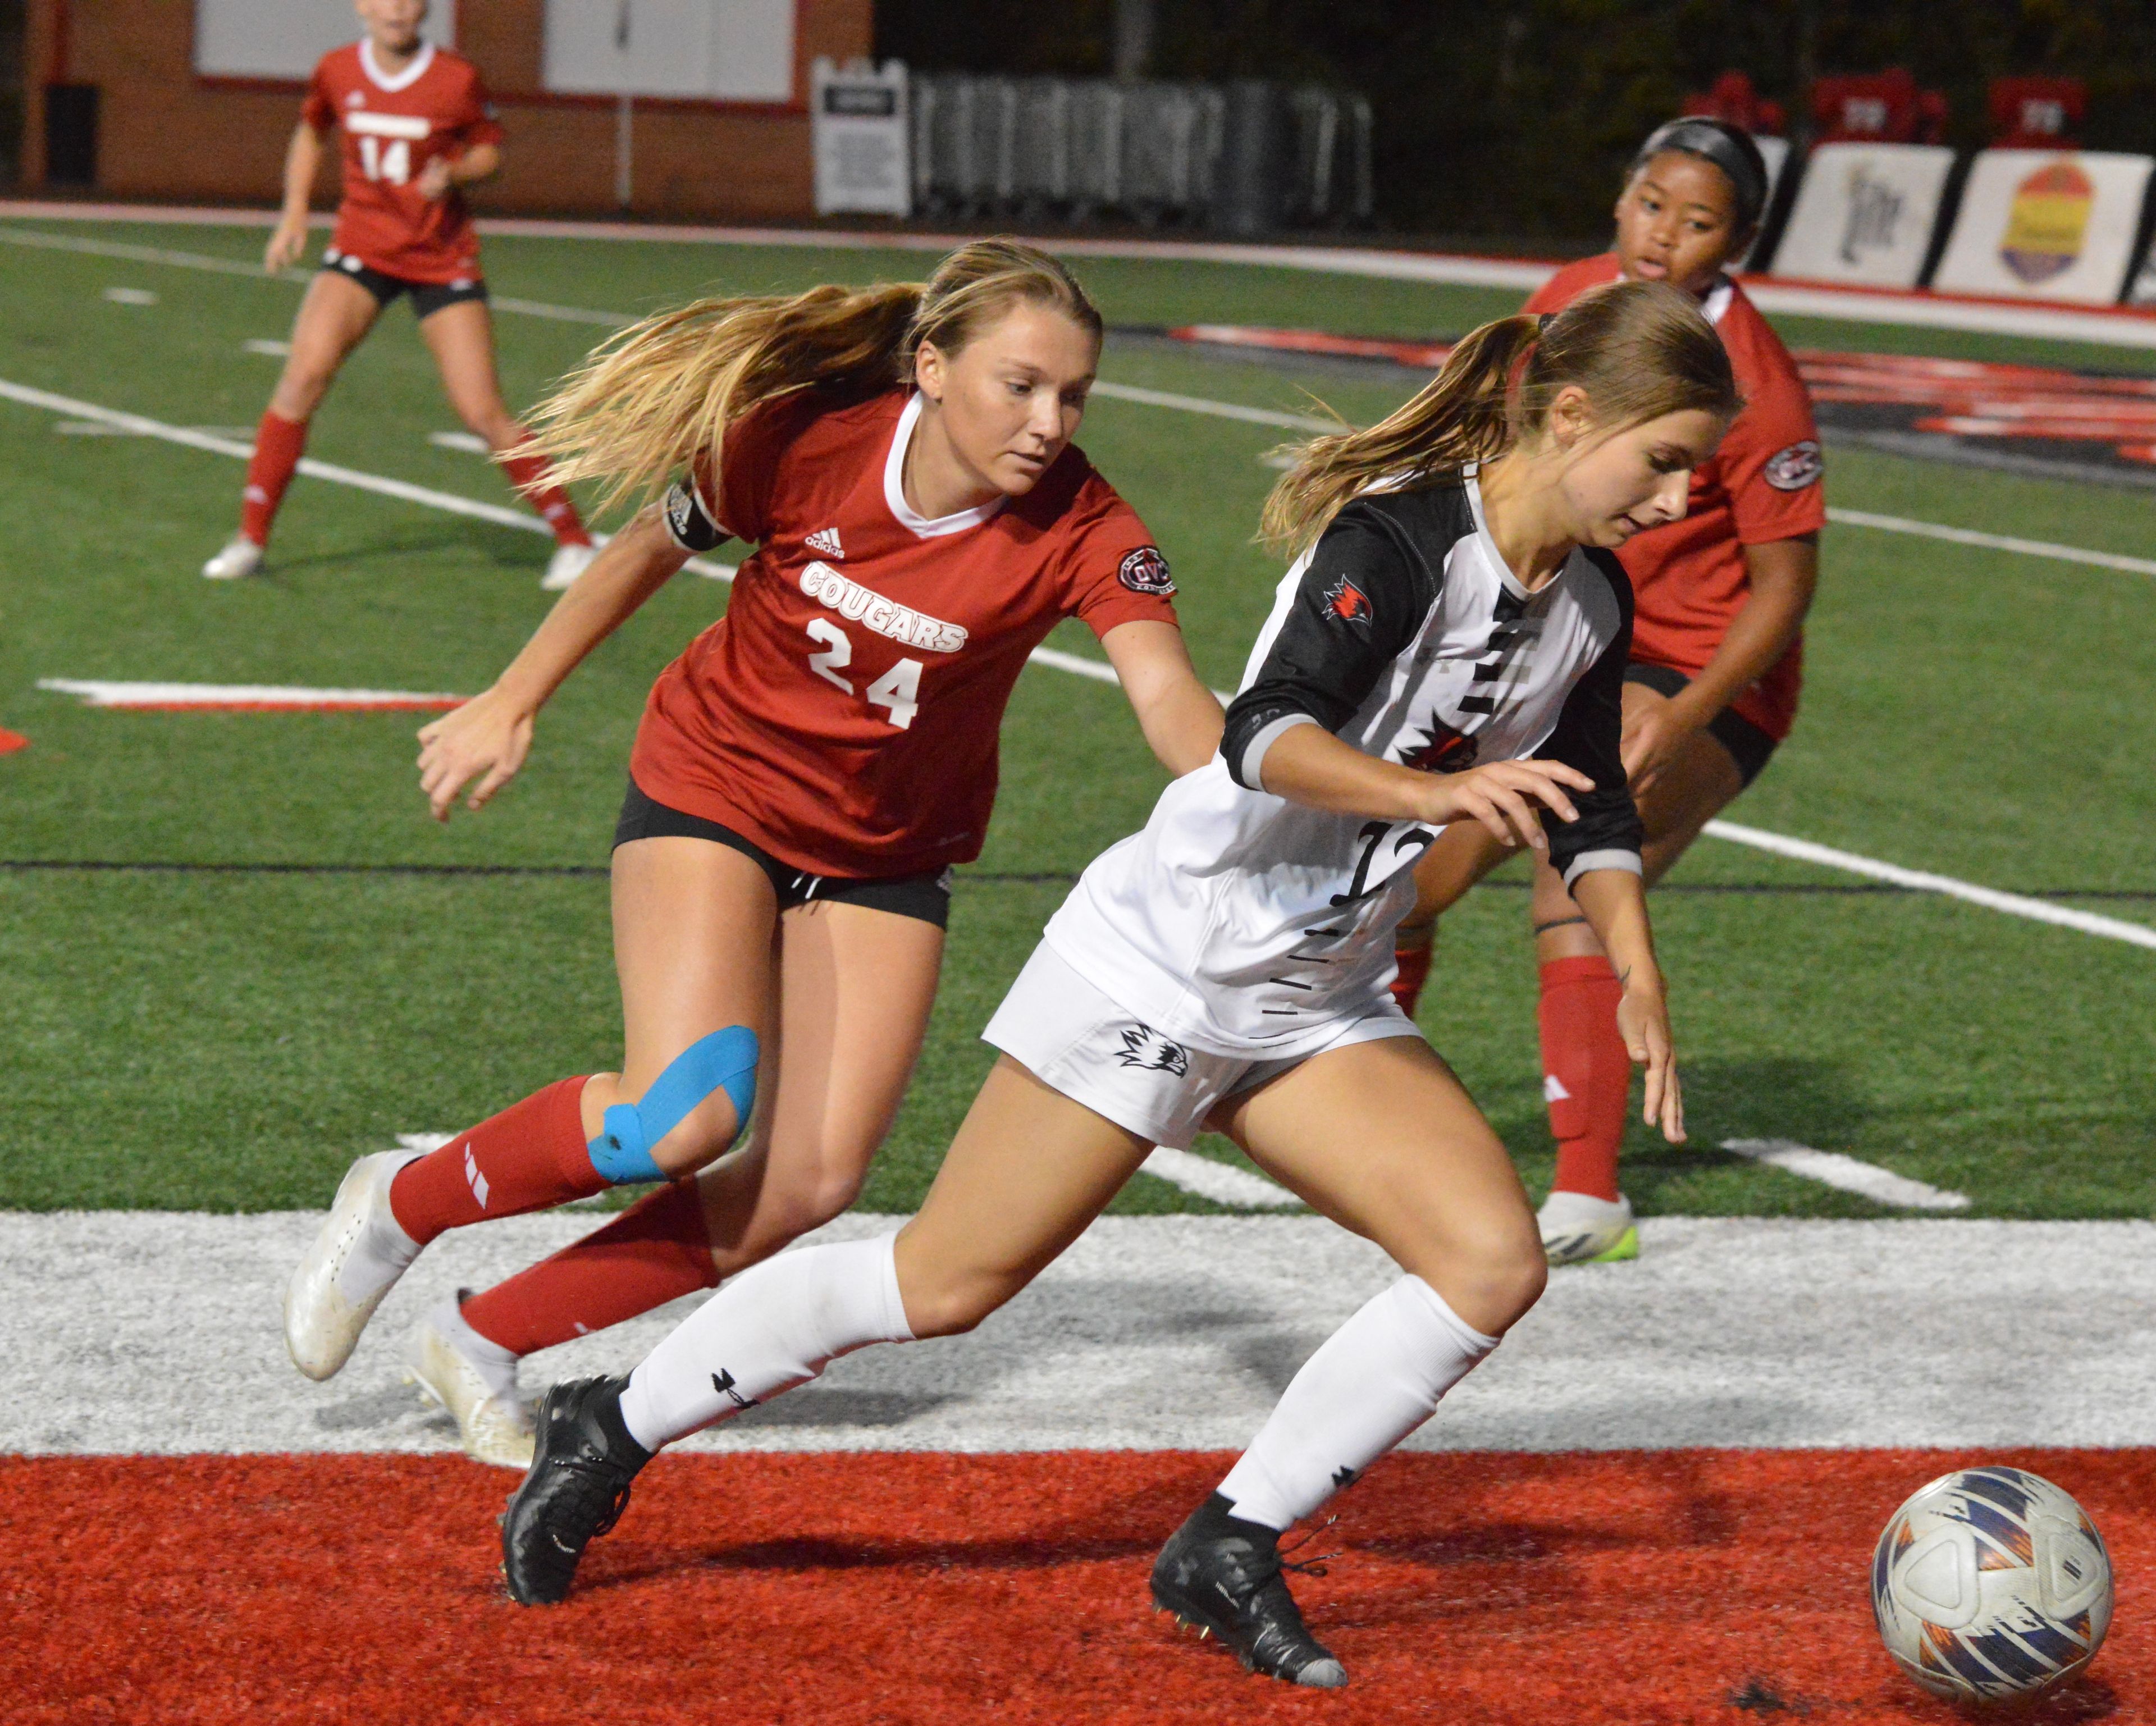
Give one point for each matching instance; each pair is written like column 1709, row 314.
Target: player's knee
column 1493, row 1280
column 950, row 1304
column 686, row 1116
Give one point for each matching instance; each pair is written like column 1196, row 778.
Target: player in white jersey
column 1457, row 614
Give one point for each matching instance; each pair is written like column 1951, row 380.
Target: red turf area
column 1631, row 1588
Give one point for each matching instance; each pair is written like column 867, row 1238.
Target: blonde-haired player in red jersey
column 417, row 127
column 805, row 775
column 1716, row 655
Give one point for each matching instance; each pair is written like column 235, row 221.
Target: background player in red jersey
column 417, row 127
column 804, row 776
column 1717, row 651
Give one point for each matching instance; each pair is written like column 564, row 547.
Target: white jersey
column 1240, row 923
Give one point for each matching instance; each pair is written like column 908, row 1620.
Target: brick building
column 164, row 132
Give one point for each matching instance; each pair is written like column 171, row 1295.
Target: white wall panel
column 284, row 38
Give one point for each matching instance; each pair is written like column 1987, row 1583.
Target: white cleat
column 455, row 1367
column 566, row 565
column 356, row 1259
column 1578, row 1229
column 240, row 558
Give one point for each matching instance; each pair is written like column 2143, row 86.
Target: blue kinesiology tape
column 725, row 1061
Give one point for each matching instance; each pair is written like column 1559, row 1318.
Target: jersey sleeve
column 318, row 112
column 1588, row 735
column 1361, row 597
column 1770, row 462
column 701, row 517
column 476, row 123
column 1113, row 574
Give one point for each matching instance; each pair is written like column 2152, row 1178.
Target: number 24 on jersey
column 898, row 690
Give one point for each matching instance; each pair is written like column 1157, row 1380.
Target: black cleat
column 582, row 1462
column 1221, row 1577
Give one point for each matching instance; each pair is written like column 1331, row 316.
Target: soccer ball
column 1990, row 1583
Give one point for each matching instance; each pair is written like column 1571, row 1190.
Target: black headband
column 1729, row 147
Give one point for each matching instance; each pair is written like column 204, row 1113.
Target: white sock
column 769, row 1329
column 1375, row 1379
column 383, row 1251
column 492, row 1362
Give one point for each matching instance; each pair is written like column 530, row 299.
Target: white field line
column 2040, row 910
column 158, row 1333
column 245, row 697
column 141, row 426
column 1220, row 1181
column 1134, row 394
column 2118, row 326
column 2013, row 904
column 1883, row 1186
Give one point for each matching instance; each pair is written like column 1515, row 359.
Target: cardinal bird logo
column 1345, row 601
column 1145, row 1047
column 1443, row 750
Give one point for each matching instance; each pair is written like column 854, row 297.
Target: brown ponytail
column 658, row 398
column 1638, row 350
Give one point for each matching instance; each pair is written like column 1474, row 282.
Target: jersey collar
column 894, row 486
column 404, row 79
column 1717, row 298
column 1496, row 558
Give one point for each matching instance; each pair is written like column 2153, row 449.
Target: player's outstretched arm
column 487, row 737
column 1614, row 901
column 303, row 159
column 1181, row 718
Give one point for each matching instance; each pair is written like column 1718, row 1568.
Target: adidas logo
column 1554, row 1089
column 473, row 1178
column 826, row 541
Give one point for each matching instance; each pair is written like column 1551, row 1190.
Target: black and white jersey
column 1239, row 922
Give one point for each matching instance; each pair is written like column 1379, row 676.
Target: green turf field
column 228, row 1038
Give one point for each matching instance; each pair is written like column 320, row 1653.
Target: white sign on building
column 2047, row 224
column 1864, row 214
column 713, row 50
column 284, row 38
column 862, row 136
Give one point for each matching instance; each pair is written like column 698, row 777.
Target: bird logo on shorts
column 1145, row 1047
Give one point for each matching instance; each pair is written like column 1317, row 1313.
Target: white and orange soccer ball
column 1990, row 1584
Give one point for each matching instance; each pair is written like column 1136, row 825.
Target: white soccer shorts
column 1074, row 1039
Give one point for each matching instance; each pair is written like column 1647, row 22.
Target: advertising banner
column 2047, row 224
column 1865, row 214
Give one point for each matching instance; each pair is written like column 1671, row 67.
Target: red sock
column 652, row 1252
column 1414, row 962
column 532, row 476
column 530, row 1156
column 1587, row 1075
column 279, row 443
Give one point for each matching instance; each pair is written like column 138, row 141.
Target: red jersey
column 1689, row 577
column 393, row 127
column 844, row 713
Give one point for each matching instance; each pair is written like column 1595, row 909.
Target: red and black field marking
column 1646, row 1588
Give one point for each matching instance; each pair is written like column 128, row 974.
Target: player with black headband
column 1448, row 645
column 1717, row 653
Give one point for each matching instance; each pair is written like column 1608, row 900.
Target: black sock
column 1216, row 1519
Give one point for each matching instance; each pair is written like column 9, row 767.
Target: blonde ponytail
column 1637, row 350
column 658, row 398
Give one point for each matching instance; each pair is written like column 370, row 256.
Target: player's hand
column 287, row 240
column 1507, row 797
column 1643, row 1020
column 1654, row 731
column 486, row 739
column 435, row 179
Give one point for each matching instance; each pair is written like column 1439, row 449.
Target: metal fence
column 1248, row 158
